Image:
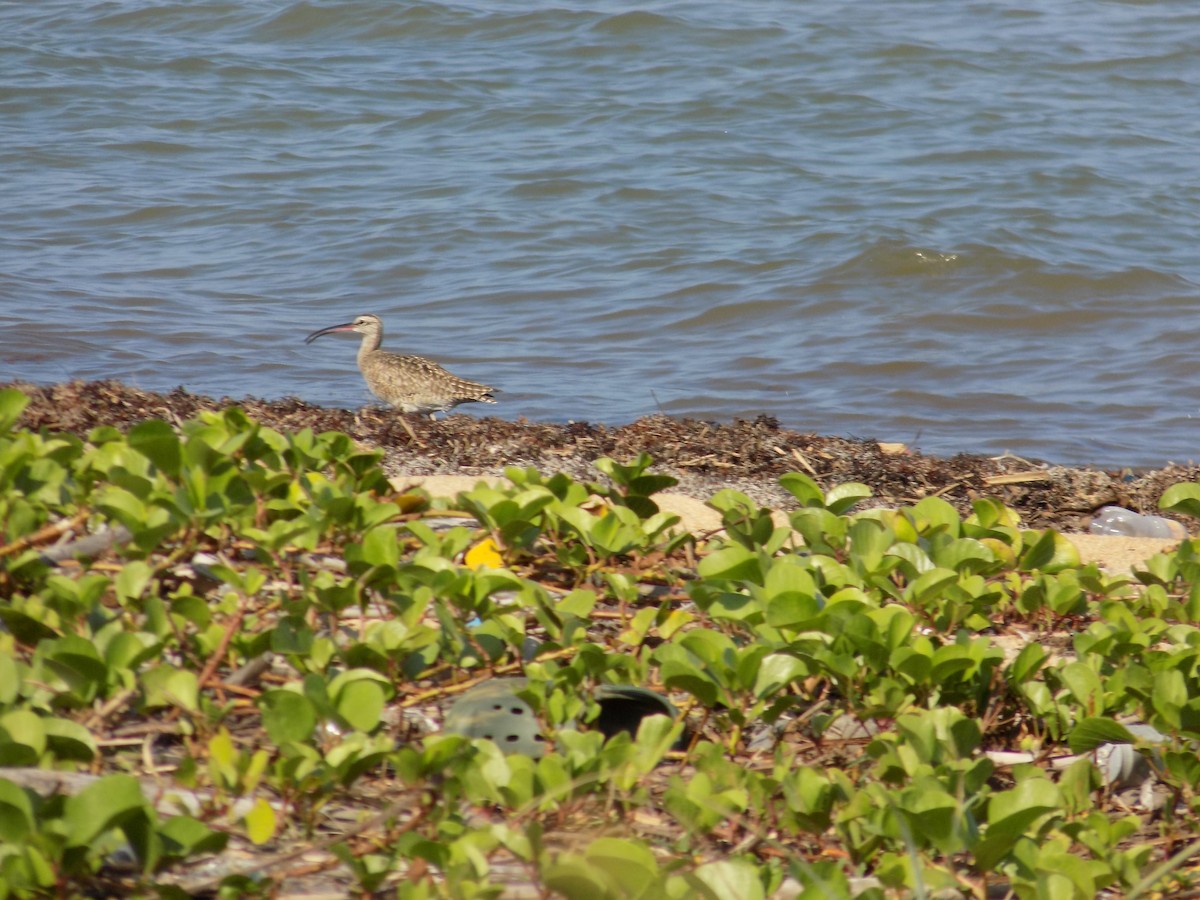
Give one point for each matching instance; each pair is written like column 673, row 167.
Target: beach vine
column 227, row 652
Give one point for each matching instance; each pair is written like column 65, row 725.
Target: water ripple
column 979, row 237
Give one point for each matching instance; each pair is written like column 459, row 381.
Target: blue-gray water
column 966, row 226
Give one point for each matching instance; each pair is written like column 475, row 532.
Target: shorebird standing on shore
column 409, row 383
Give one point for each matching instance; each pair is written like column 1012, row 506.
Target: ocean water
column 965, row 226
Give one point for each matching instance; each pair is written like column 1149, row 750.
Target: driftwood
column 89, row 545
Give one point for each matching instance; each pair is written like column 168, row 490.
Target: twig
column 89, row 545
column 250, row 672
column 948, row 488
column 803, row 460
column 231, row 629
column 43, row 535
column 462, row 686
column 114, row 703
column 1016, row 478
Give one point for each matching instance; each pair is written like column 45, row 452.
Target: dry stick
column 91, row 545
column 114, row 703
column 250, row 673
column 951, row 486
column 803, row 460
column 461, row 686
column 48, row 533
column 235, row 623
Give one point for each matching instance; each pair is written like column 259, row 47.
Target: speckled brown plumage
column 409, row 383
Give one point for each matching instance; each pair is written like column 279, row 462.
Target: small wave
column 636, row 22
column 155, row 148
column 890, row 259
column 543, row 188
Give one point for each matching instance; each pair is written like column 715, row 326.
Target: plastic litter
column 1121, row 521
column 493, row 710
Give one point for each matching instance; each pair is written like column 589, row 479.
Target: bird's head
column 367, row 323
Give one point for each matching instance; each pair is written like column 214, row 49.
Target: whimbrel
column 410, row 383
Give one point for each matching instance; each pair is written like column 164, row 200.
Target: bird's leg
column 412, row 434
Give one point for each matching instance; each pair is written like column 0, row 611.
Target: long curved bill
column 349, row 326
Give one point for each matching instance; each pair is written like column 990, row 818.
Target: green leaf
column 123, row 506
column 1026, row 665
column 965, row 555
column 913, row 662
column 928, row 586
column 381, row 546
column 184, row 836
column 869, row 541
column 578, row 603
column 793, row 610
column 775, row 672
column 102, row 805
column 729, row 878
column 844, row 496
column 158, row 442
column 734, row 563
column 656, row 735
column 732, row 504
column 629, row 865
column 1170, row 696
column 1084, row 684
column 935, row 814
column 260, row 822
column 126, row 650
column 78, row 663
column 358, row 696
column 22, row 738
column 933, row 514
column 711, row 646
column 948, row 661
column 1011, row 813
column 679, row 671
column 821, row 530
column 17, row 818
column 10, row 680
column 360, row 703
column 1095, row 731
column 292, row 636
column 69, row 740
column 1067, row 876
column 572, row 876
column 287, row 716
column 1051, row 553
column 803, row 488
column 12, row 404
column 1182, row 498
column 169, row 686
column 609, row 534
column 917, row 559
column 131, row 582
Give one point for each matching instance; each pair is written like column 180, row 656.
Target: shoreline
column 704, row 456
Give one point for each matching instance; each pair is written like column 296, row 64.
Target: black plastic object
column 622, row 708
